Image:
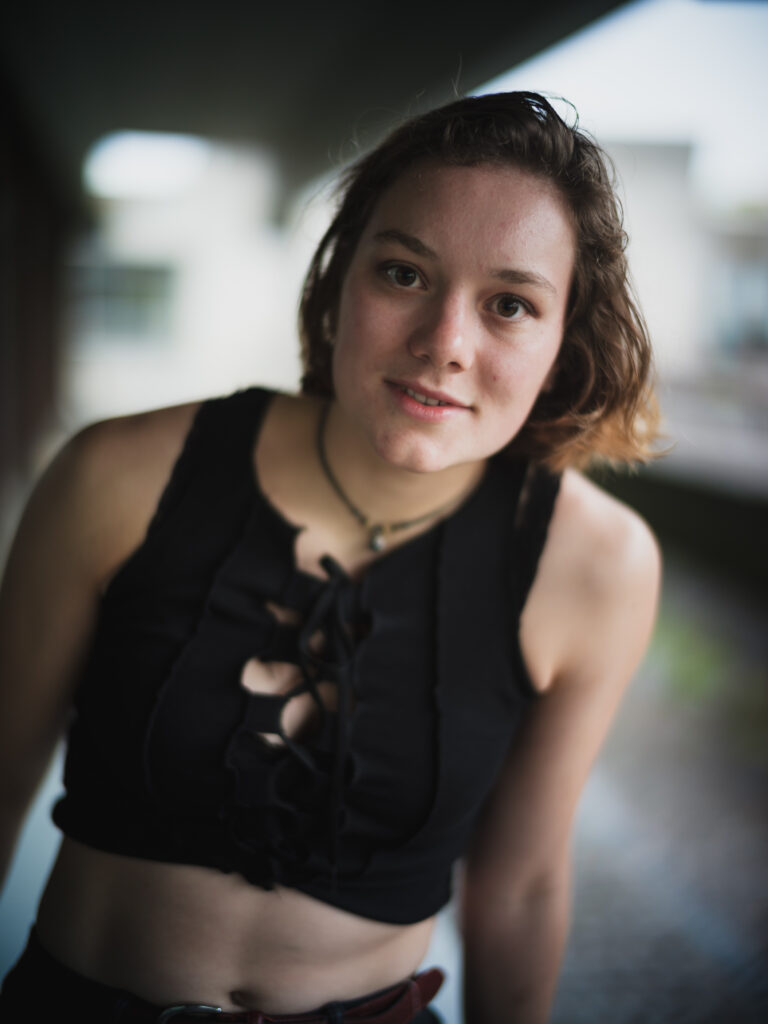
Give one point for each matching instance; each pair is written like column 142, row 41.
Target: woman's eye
column 510, row 307
column 402, row 275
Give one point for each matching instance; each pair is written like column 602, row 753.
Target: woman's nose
column 443, row 337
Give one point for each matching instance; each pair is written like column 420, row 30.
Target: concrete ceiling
column 303, row 80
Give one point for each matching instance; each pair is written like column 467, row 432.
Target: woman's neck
column 382, row 492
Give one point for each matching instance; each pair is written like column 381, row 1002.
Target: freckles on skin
column 468, row 236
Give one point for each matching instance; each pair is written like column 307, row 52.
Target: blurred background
column 166, row 173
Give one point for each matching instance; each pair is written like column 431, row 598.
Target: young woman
column 323, row 649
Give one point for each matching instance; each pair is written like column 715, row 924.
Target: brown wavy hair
column 601, row 405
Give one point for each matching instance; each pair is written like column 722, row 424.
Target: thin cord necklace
column 378, row 533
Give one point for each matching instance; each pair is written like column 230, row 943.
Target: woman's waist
column 170, row 932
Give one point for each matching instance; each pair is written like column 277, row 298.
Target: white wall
column 667, row 248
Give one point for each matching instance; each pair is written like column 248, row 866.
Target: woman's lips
column 424, row 403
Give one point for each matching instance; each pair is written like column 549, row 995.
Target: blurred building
column 184, row 291
column 702, row 279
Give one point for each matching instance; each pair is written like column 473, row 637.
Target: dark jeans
column 40, row 989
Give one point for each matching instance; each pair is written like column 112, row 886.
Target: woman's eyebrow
column 409, row 241
column 524, row 277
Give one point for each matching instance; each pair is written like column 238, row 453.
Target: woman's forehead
column 487, row 207
column 500, row 187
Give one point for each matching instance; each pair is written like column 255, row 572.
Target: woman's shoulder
column 103, row 486
column 117, row 443
column 598, row 582
column 603, row 549
column 609, row 539
column 587, row 509
column 116, row 460
column 114, row 471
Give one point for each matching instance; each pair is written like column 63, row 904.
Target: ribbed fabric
column 168, row 758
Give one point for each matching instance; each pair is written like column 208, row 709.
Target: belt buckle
column 190, row 1009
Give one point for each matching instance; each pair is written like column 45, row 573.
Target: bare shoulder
column 596, row 592
column 128, row 449
column 602, row 540
column 97, row 496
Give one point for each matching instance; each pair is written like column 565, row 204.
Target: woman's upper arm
column 89, row 510
column 47, row 604
column 585, row 628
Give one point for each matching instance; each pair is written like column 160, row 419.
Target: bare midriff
column 175, row 933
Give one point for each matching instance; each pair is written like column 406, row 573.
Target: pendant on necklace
column 377, row 539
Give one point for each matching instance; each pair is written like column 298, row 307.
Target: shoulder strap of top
column 534, row 513
column 209, row 489
column 219, row 442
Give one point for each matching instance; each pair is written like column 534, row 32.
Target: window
column 122, row 301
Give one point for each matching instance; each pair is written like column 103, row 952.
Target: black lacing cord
column 327, row 615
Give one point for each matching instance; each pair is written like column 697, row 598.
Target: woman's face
column 456, row 295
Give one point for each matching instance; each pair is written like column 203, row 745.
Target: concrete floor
column 670, row 920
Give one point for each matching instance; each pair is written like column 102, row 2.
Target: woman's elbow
column 495, row 903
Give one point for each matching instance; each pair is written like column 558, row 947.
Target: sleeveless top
column 169, row 756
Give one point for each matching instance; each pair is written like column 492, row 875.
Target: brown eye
column 510, row 307
column 402, row 275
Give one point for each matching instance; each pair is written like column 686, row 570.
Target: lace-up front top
column 172, row 756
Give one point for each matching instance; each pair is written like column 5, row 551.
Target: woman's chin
column 418, row 458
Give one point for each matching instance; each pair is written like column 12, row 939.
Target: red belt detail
column 397, row 1005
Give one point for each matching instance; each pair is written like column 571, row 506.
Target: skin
column 436, row 297
column 423, row 304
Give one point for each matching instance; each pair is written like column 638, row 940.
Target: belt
column 396, row 1005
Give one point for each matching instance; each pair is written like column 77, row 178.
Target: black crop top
column 167, row 758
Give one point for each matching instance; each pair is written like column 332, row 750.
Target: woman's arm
column 87, row 513
column 585, row 628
